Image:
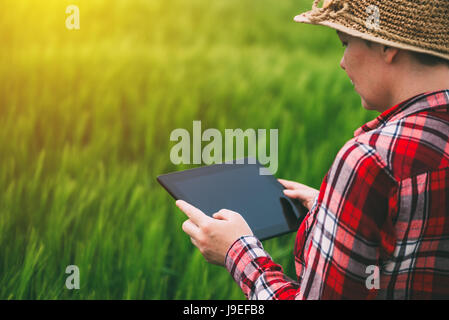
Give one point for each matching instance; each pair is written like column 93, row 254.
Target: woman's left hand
column 213, row 236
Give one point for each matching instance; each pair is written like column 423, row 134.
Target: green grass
column 85, row 120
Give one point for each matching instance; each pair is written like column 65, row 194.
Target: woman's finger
column 295, row 194
column 194, row 214
column 194, row 242
column 288, row 184
column 225, row 214
column 292, row 184
column 190, row 228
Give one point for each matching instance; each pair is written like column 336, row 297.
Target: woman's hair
column 422, row 58
column 428, row 59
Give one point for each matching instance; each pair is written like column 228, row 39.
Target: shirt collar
column 421, row 102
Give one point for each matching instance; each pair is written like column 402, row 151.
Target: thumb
column 224, row 214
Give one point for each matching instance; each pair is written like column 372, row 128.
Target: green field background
column 85, row 121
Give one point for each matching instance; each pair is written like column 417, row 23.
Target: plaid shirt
column 381, row 215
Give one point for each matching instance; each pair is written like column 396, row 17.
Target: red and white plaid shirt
column 384, row 203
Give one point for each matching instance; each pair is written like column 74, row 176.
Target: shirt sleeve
column 347, row 233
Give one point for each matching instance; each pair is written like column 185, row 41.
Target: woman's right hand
column 300, row 191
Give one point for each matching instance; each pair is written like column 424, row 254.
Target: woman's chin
column 366, row 105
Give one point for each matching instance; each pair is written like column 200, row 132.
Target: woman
column 379, row 225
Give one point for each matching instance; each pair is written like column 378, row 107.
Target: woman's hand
column 300, row 191
column 213, row 236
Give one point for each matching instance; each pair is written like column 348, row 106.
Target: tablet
column 240, row 188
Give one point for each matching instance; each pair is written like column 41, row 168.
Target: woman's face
column 366, row 69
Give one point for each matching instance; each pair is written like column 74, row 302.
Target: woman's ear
column 389, row 53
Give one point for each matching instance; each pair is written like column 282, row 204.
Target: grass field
column 85, row 121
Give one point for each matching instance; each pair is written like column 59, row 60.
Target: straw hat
column 415, row 25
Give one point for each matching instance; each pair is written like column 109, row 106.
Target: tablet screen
column 238, row 187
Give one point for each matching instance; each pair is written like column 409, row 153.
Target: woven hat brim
column 302, row 18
